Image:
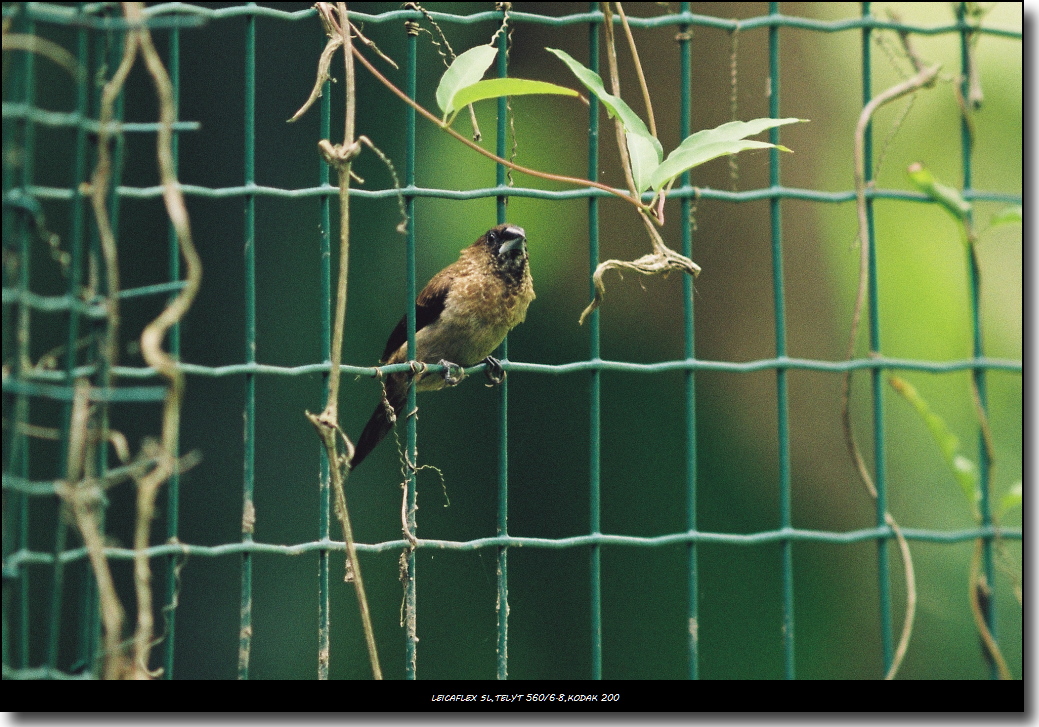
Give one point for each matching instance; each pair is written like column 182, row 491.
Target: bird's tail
column 382, row 419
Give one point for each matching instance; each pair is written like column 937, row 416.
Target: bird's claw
column 495, row 373
column 449, row 376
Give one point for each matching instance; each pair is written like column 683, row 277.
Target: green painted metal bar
column 782, row 396
column 595, row 382
column 78, row 119
column 19, row 229
column 245, row 633
column 107, row 54
column 502, row 525
column 678, row 192
column 978, row 342
column 61, row 529
column 685, row 58
column 27, row 557
column 85, row 647
column 110, row 54
column 37, row 386
column 102, row 393
column 772, row 20
column 324, row 612
column 876, row 375
column 411, row 492
column 43, row 673
column 173, row 485
column 113, row 48
column 95, row 309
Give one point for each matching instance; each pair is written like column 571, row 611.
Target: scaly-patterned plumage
column 461, row 316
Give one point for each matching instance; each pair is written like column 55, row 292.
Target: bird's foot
column 495, row 373
column 450, row 378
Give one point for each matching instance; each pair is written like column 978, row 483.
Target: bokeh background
column 924, row 315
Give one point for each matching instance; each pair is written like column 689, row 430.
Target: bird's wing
column 428, row 307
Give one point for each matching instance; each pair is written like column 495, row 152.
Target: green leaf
column 643, row 148
column 1011, row 499
column 645, row 152
column 962, row 468
column 1007, row 216
column 948, row 197
column 709, row 144
column 615, row 106
column 495, row 87
column 467, row 69
column 735, row 130
column 681, row 159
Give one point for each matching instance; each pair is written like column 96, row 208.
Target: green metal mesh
column 51, row 627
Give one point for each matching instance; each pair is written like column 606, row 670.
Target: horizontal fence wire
column 677, row 192
column 55, row 384
column 70, row 16
column 24, row 557
column 38, row 385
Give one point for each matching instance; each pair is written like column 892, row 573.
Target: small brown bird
column 461, row 316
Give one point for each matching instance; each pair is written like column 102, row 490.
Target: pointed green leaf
column 1007, row 216
column 681, row 159
column 467, row 69
column 962, row 468
column 948, row 197
column 734, row 131
column 643, row 148
column 709, row 144
column 615, row 106
column 495, row 87
column 645, row 152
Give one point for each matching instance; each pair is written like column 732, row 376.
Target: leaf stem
column 638, row 70
column 633, row 199
column 327, row 422
column 921, row 79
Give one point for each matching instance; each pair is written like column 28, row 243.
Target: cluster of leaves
column 461, row 85
column 648, row 167
column 963, row 469
column 953, row 202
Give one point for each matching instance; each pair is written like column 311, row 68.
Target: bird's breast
column 478, row 314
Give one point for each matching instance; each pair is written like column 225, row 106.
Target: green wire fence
column 52, row 627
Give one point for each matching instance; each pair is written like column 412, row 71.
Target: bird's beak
column 517, row 244
column 517, row 240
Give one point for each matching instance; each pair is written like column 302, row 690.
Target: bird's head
column 508, row 246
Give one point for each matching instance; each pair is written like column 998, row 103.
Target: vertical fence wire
column 411, row 494
column 173, row 485
column 502, row 528
column 22, row 84
column 245, row 633
column 77, row 242
column 978, row 343
column 595, row 384
column 62, row 526
column 782, row 398
column 324, row 628
column 108, row 52
column 684, row 128
column 876, row 374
